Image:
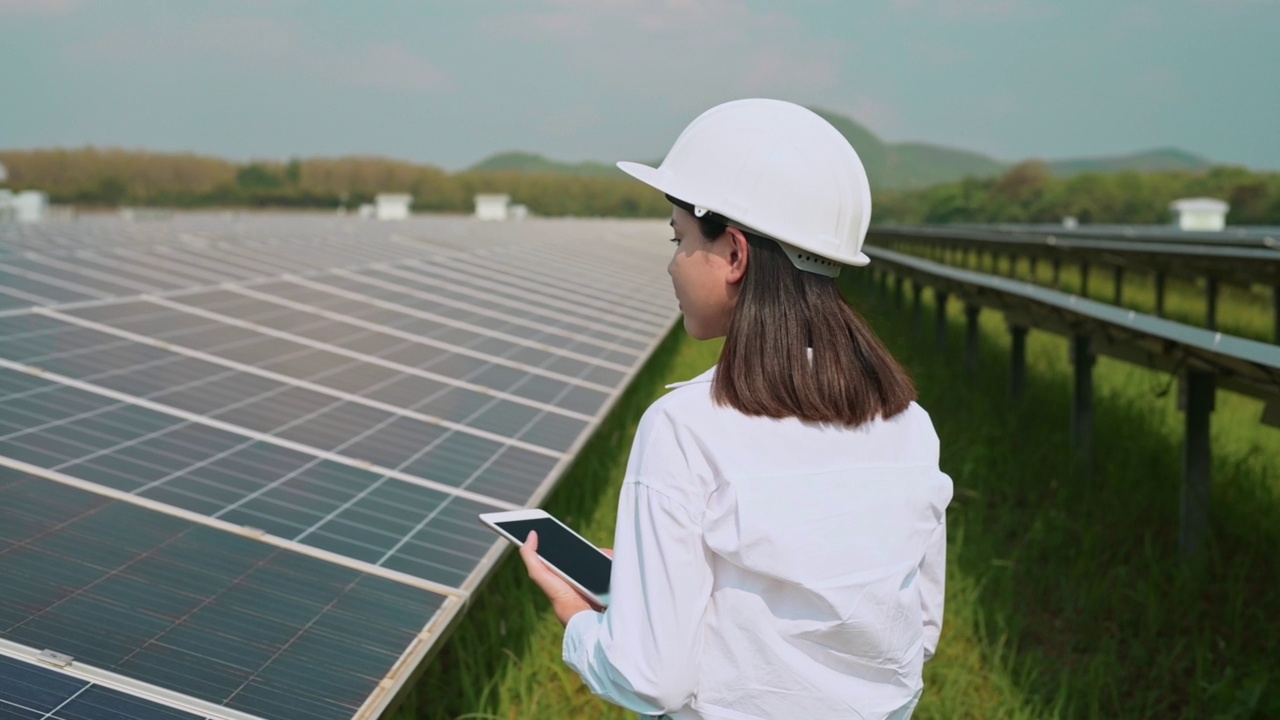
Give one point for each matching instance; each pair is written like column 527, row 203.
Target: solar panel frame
column 41, row 690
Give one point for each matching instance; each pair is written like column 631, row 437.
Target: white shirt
column 770, row 568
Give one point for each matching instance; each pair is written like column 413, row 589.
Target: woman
column 781, row 534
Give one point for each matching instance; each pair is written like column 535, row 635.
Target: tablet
column 566, row 552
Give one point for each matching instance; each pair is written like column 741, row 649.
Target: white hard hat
column 776, row 169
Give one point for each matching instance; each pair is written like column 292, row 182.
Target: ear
column 739, row 254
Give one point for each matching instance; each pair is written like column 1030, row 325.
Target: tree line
column 1028, row 192
column 95, row 178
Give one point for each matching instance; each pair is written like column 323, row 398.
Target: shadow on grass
column 506, row 624
column 1081, row 591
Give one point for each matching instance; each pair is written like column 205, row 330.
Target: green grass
column 1065, row 595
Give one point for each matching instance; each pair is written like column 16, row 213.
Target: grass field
column 1065, row 596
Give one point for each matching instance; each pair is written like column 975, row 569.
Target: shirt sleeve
column 642, row 652
column 933, row 572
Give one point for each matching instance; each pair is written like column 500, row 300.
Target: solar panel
column 279, row 418
column 30, row 691
column 195, row 609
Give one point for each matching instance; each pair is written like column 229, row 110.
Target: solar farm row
column 241, row 458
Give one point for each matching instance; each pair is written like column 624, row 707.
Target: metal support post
column 1211, row 304
column 1082, row 413
column 1119, row 289
column 971, row 339
column 1057, row 274
column 1017, row 360
column 897, row 290
column 1159, row 294
column 940, row 319
column 1084, row 279
column 916, row 290
column 1275, row 310
column 1197, row 400
column 1032, row 267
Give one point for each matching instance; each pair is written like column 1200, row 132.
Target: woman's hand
column 565, row 600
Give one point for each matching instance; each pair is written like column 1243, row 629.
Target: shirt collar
column 705, row 377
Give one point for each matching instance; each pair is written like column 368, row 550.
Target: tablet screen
column 572, row 555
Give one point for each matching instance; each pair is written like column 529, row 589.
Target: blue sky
column 450, row 83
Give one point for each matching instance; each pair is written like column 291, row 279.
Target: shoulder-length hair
column 795, row 348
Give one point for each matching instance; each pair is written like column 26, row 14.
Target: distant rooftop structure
column 4, row 174
column 392, row 206
column 492, row 206
column 27, row 207
column 1200, row 213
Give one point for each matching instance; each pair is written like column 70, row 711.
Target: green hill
column 1157, row 160
column 905, row 166
column 890, row 166
column 534, row 164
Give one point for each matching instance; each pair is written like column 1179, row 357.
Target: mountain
column 891, row 166
column 906, row 166
column 534, row 164
column 1160, row 159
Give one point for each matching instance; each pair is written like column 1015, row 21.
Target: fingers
column 529, row 553
column 607, row 551
column 541, row 575
column 565, row 600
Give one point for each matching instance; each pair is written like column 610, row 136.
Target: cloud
column 934, row 54
column 879, row 115
column 1141, row 19
column 678, row 52
column 391, row 67
column 570, row 122
column 964, row 9
column 38, row 7
column 1236, row 6
column 266, row 45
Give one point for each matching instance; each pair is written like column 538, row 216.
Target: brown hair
column 782, row 311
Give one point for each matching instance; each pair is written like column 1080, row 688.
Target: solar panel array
column 241, row 457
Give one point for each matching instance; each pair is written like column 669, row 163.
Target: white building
column 392, row 206
column 4, row 174
column 492, row 206
column 26, row 206
column 1200, row 213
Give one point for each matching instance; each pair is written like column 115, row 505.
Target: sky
column 450, row 83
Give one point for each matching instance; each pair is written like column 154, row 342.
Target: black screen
column 574, row 556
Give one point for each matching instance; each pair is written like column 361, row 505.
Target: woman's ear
column 739, row 254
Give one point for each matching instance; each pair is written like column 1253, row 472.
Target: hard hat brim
column 658, row 179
